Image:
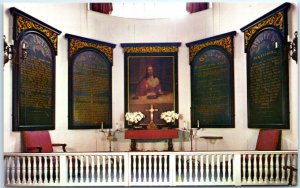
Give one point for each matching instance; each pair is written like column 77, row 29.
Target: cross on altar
column 151, row 110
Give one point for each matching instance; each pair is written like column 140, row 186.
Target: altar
column 151, row 134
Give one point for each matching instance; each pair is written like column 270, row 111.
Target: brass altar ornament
column 151, row 125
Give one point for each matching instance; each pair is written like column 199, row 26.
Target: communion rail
column 232, row 168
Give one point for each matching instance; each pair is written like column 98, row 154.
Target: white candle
column 276, row 45
column 184, row 124
column 101, row 126
column 23, row 45
column 198, row 124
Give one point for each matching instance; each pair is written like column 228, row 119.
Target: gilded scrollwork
column 225, row 43
column 75, row 45
column 151, row 49
column 275, row 20
column 24, row 24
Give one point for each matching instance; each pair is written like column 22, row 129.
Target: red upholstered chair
column 268, row 140
column 39, row 141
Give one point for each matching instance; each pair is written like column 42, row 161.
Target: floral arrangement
column 134, row 117
column 169, row 116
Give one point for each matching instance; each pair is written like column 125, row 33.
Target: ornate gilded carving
column 275, row 20
column 24, row 24
column 151, row 49
column 75, row 45
column 225, row 42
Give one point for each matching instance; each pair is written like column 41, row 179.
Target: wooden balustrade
column 151, row 168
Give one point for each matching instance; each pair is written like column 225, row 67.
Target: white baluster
column 34, row 170
column 13, row 170
column 218, row 169
column 51, row 169
column 160, row 168
column 145, row 168
column 207, row 168
column 8, row 159
column 103, row 169
column 190, row 169
column 45, row 170
column 288, row 163
column 260, row 164
column 56, row 169
column 155, row 169
column 249, row 180
column 139, row 178
column 23, row 170
column 87, row 169
column 76, row 168
column 98, row 169
column 230, row 179
column 272, row 169
column 93, row 178
column 150, row 169
column 40, row 169
column 255, row 169
column 184, row 169
column 283, row 157
column 81, row 169
column 18, row 170
column 244, row 169
column 29, row 169
column 213, row 168
column 134, row 168
column 201, row 168
column 266, row 168
column 115, row 169
column 120, row 168
column 109, row 169
column 70, row 169
column 224, row 169
column 294, row 166
column 196, row 168
column 179, row 169
column 277, row 168
column 165, row 169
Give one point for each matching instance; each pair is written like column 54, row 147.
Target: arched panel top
column 77, row 43
column 276, row 18
column 224, row 41
column 24, row 22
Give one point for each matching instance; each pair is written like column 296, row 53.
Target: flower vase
column 137, row 126
column 170, row 125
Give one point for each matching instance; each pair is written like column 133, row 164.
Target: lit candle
column 276, row 45
column 101, row 126
column 198, row 125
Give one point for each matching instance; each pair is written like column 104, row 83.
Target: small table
column 151, row 134
column 211, row 139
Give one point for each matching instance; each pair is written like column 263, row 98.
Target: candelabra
column 110, row 134
column 192, row 132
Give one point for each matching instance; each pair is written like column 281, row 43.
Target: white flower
column 134, row 117
column 169, row 116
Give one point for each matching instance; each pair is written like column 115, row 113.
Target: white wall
column 74, row 19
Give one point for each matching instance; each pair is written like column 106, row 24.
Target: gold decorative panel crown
column 24, row 24
column 76, row 45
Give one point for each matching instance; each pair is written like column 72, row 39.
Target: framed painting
column 151, row 80
column 212, row 82
column 90, row 83
column 33, row 73
column 267, row 70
